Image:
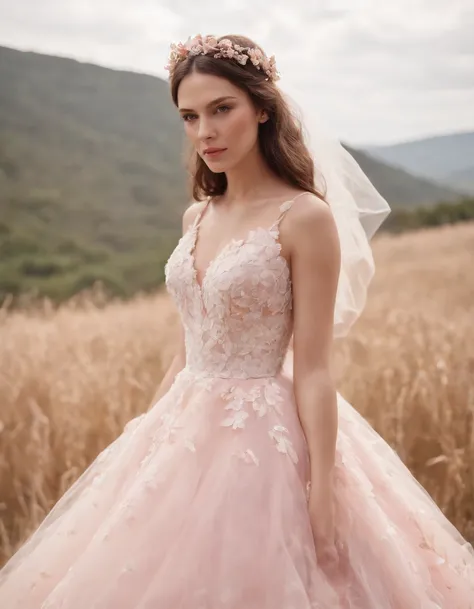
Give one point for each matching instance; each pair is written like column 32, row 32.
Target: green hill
column 92, row 184
column 91, row 180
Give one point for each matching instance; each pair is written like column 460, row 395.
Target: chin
column 217, row 167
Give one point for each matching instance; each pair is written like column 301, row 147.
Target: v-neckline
column 273, row 230
column 232, row 242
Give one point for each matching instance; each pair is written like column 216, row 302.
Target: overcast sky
column 374, row 71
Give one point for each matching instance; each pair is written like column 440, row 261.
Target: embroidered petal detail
column 236, row 420
column 283, row 444
column 248, row 456
column 189, row 444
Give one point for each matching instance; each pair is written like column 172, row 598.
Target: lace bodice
column 238, row 320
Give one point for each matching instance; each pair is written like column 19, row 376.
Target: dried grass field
column 71, row 378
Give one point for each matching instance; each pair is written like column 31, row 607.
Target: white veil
column 358, row 209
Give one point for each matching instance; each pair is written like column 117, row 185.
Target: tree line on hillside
column 402, row 219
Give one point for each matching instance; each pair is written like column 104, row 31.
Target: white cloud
column 374, row 71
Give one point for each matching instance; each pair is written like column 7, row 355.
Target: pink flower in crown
column 229, row 52
column 194, row 45
column 209, row 44
column 192, row 41
column 256, row 56
column 199, row 45
column 273, row 69
column 196, row 49
column 225, row 43
column 179, row 50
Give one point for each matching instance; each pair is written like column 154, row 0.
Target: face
column 219, row 119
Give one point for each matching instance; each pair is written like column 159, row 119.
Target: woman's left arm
column 315, row 264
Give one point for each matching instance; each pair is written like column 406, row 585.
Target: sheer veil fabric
column 358, row 209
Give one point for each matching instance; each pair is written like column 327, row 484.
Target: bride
column 251, row 483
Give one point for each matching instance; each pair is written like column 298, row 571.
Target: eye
column 188, row 117
column 221, row 109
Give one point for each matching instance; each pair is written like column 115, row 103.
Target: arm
column 177, row 363
column 315, row 263
column 179, row 360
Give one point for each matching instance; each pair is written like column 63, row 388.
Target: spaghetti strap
column 284, row 207
column 199, row 215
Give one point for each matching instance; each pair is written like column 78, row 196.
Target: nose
column 205, row 129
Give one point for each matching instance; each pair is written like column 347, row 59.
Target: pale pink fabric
column 201, row 503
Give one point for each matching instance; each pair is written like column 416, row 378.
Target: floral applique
column 173, row 431
column 270, row 399
column 263, row 398
column 189, row 444
column 236, row 420
column 248, row 456
column 169, row 427
column 283, row 443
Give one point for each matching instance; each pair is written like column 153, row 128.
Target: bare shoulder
column 190, row 214
column 313, row 243
column 311, row 222
column 310, row 209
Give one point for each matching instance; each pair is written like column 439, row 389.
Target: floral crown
column 225, row 48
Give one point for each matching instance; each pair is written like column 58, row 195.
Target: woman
column 247, row 485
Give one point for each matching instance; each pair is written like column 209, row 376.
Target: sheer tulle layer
column 201, row 503
column 401, row 551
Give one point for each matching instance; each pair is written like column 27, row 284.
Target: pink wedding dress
column 201, row 503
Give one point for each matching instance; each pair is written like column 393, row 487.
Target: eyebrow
column 214, row 102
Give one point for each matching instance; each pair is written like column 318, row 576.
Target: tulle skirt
column 202, row 503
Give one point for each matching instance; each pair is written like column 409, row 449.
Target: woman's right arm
column 179, row 360
column 177, row 364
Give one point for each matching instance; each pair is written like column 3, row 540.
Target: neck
column 250, row 180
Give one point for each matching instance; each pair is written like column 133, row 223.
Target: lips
column 212, row 152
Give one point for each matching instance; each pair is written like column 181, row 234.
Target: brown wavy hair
column 280, row 137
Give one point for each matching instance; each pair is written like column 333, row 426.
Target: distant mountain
column 436, row 158
column 92, row 184
column 462, row 179
column 400, row 188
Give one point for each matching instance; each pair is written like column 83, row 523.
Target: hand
column 321, row 513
